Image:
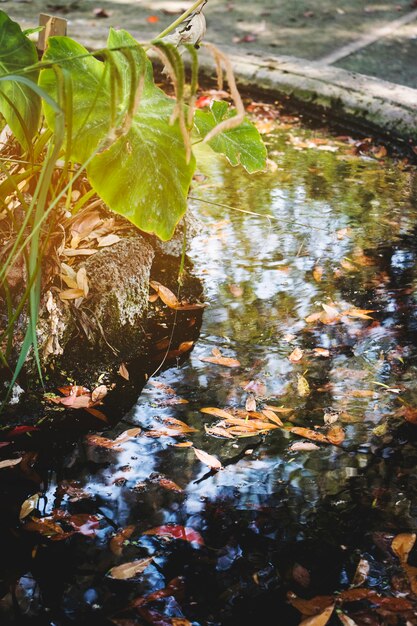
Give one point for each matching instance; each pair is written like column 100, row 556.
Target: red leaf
column 20, row 430
column 177, row 532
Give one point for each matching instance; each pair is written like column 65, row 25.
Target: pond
column 243, row 517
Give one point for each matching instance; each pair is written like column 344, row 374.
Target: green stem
column 180, row 20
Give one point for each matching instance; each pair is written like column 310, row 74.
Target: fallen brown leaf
column 208, row 459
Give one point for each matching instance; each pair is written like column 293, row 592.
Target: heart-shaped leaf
column 19, row 105
column 143, row 173
column 241, row 145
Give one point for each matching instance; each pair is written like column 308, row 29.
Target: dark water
column 342, row 232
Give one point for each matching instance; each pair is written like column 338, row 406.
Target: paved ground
column 374, row 37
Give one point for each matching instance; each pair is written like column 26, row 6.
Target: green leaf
column 240, row 145
column 91, row 113
column 143, row 173
column 19, row 105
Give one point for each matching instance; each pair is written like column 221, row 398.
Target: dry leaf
column 184, row 444
column 116, row 542
column 130, row 570
column 218, row 359
column 319, row 620
column 278, row 409
column 108, row 240
column 166, row 483
column 250, row 404
column 236, row 291
column 402, row 545
column 218, row 431
column 71, row 294
column 308, row 434
column 303, row 387
column 335, row 435
column 303, row 446
column 317, row 273
column 98, row 393
column 361, row 573
column 208, row 459
column 29, row 505
column 211, row 410
column 296, row 355
column 174, row 531
column 123, row 371
column 346, row 620
column 10, row 462
column 171, row 300
column 271, row 416
column 322, row 352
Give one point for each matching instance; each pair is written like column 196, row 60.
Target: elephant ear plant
column 96, row 122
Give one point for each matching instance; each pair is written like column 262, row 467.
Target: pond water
column 311, row 291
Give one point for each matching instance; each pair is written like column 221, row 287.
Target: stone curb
column 367, row 103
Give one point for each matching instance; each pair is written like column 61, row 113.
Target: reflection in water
column 275, row 519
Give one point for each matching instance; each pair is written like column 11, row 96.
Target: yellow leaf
column 302, row 386
column 71, row 294
column 402, row 545
column 29, row 505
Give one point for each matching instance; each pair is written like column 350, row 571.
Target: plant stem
column 180, row 20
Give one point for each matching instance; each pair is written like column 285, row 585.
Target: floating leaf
column 130, row 570
column 208, row 459
column 118, row 540
column 319, row 620
column 271, row 416
column 218, row 431
column 10, row 462
column 211, row 410
column 336, row 435
column 29, row 505
column 98, row 393
column 361, row 573
column 402, row 545
column 123, row 371
column 177, row 532
column 218, row 359
column 250, row 404
column 296, row 355
column 322, row 352
column 303, row 446
column 309, row 434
